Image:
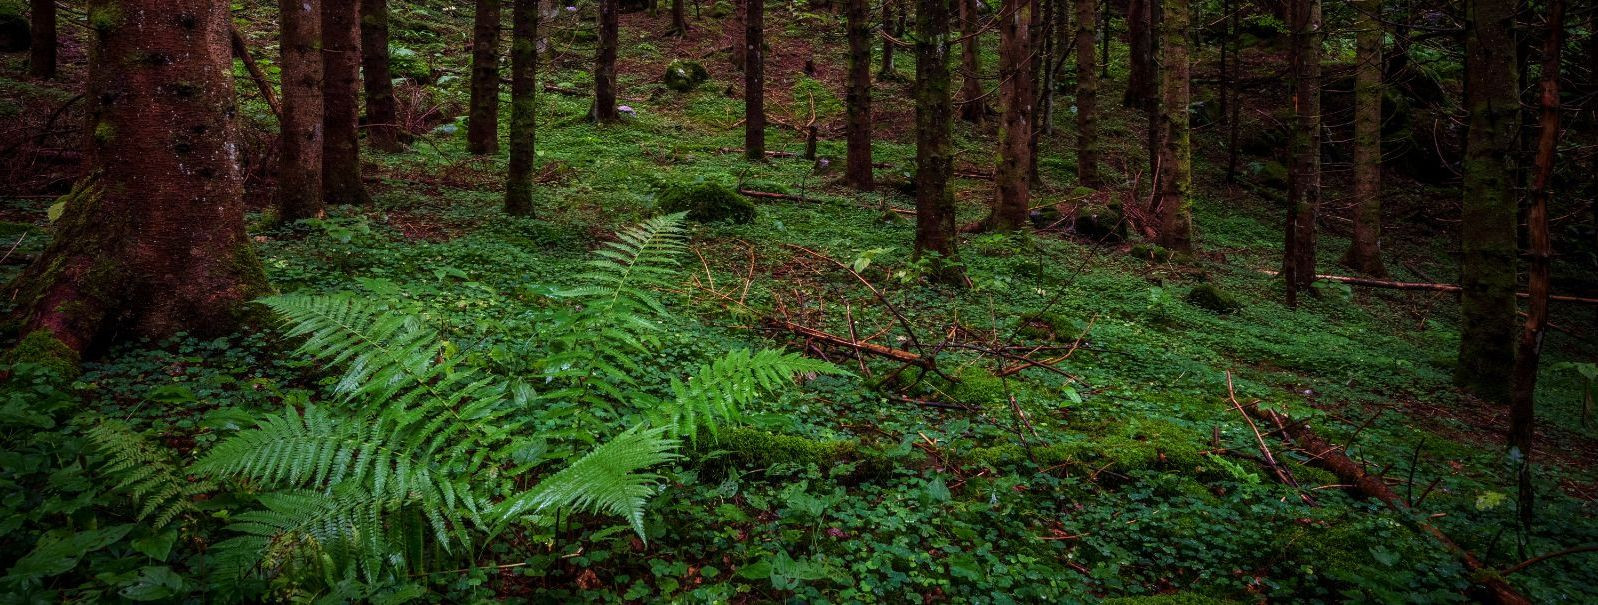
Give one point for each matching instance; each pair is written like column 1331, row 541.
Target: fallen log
column 1422, row 286
column 864, row 347
column 776, row 196
column 242, row 51
column 1331, row 457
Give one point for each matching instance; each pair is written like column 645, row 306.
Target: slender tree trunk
column 1522, row 409
column 1304, row 161
column 934, row 143
column 893, row 23
column 972, row 107
column 42, row 58
column 1151, row 104
column 482, row 121
column 1140, row 49
column 1231, row 90
column 1049, row 57
column 299, row 174
column 152, row 243
column 857, row 172
column 605, row 64
column 1176, row 153
column 382, row 119
column 341, row 85
column 1087, row 96
column 679, row 19
column 1034, row 75
column 1488, row 229
column 523, row 106
column 1365, row 251
column 1009, row 210
column 241, row 51
column 755, row 82
column 740, row 51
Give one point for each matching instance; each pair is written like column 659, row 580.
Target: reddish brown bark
column 1140, row 50
column 893, row 24
column 482, row 120
column 299, row 174
column 153, row 242
column 1012, row 177
column 755, row 81
column 604, row 109
column 382, row 120
column 523, row 114
column 341, row 85
column 973, row 108
column 857, row 170
column 1304, row 151
column 1365, row 248
column 42, row 58
column 934, row 144
column 1087, row 95
column 1175, row 179
column 679, row 19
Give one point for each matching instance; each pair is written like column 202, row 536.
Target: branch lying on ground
column 1409, row 285
column 862, row 346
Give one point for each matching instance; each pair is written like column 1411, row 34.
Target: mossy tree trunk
column 857, row 170
column 679, row 19
column 1011, row 177
column 341, row 85
column 755, row 81
column 1488, row 228
column 1365, row 251
column 1304, row 148
column 1087, row 95
column 604, row 109
column 934, row 144
column 42, row 25
column 153, row 242
column 482, row 120
column 893, row 23
column 1522, row 409
column 1140, row 53
column 382, row 115
column 973, row 108
column 1053, row 20
column 1176, row 152
column 299, row 174
column 523, row 106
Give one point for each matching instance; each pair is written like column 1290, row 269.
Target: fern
column 146, row 474
column 720, row 389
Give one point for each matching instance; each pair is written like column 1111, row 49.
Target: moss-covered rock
column 1207, row 296
column 1102, row 222
column 14, row 32
column 1045, row 217
column 42, row 348
column 706, row 202
column 1150, row 252
column 719, row 10
column 1269, row 173
column 407, row 63
column 1048, row 326
column 683, row 76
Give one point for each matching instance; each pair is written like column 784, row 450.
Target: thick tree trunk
column 1522, row 409
column 1011, row 177
column 857, row 172
column 934, row 143
column 1140, row 49
column 755, row 81
column 42, row 58
column 1304, row 153
column 299, row 174
column 679, row 19
column 972, row 106
column 1365, row 251
column 382, row 119
column 893, row 24
column 523, row 106
column 1487, row 232
column 1087, row 96
column 341, row 85
column 482, row 120
column 1176, row 153
column 605, row 64
column 153, row 242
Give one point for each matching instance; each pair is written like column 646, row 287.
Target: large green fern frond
column 610, row 479
column 718, row 392
column 146, row 474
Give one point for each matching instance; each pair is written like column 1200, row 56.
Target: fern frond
column 718, row 392
column 146, row 473
column 610, row 479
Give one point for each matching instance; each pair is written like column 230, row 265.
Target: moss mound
column 706, row 202
column 1151, row 252
column 41, row 348
column 1101, row 222
column 683, row 76
column 1207, row 296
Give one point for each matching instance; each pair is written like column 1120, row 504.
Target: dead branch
column 1282, row 473
column 1544, row 557
column 777, row 196
column 242, row 51
column 899, row 355
column 1409, row 285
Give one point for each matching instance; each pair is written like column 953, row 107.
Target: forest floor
column 1123, row 469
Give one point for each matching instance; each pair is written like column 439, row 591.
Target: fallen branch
column 862, row 346
column 584, row 93
column 1282, row 473
column 1332, row 458
column 1410, row 285
column 242, row 51
column 777, row 196
column 1540, row 558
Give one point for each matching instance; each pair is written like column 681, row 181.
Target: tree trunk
column 299, row 174
column 241, row 51
column 152, row 243
column 1151, row 104
column 1057, row 20
column 1015, row 76
column 1140, row 49
column 1087, row 96
column 1034, row 75
column 482, row 120
column 1522, row 409
column 605, row 64
column 341, row 84
column 382, row 120
column 857, row 172
column 1304, row 153
column 755, row 81
column 1488, row 229
column 1230, row 91
column 42, row 58
column 934, row 144
column 1176, row 153
column 893, row 23
column 740, row 56
column 1365, row 251
column 523, row 106
column 679, row 19
column 972, row 107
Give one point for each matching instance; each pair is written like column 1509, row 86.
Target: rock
column 683, row 76
column 1151, row 252
column 1207, row 296
column 706, row 202
column 1101, row 222
column 15, row 35
column 1269, row 173
column 1045, row 217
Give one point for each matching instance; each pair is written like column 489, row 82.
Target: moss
column 1207, row 296
column 755, row 448
column 683, row 76
column 104, row 132
column 105, row 17
column 43, row 348
column 1175, row 598
column 1101, row 222
column 1048, row 326
column 706, row 202
column 1151, row 252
